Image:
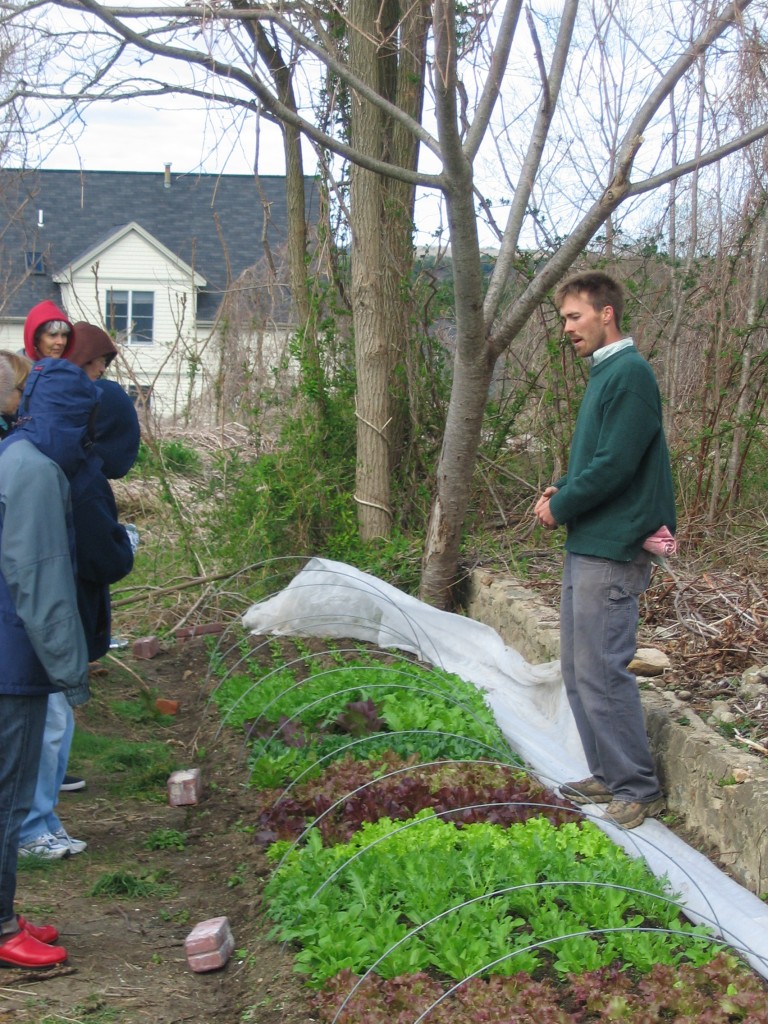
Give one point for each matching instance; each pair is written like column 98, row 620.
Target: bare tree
column 386, row 45
column 473, row 57
column 11, row 71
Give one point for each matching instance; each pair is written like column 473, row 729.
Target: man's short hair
column 599, row 290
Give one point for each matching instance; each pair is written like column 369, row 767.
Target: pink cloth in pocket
column 661, row 543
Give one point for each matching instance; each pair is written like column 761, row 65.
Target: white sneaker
column 72, row 783
column 47, row 846
column 65, row 839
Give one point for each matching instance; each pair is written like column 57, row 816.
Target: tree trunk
column 473, row 363
column 381, row 214
column 755, row 333
column 472, row 372
column 282, row 75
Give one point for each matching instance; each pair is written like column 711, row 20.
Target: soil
column 127, row 961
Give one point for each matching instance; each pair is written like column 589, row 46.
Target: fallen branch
column 750, row 743
column 130, row 672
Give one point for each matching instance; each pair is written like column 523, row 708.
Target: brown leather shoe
column 587, row 791
column 631, row 813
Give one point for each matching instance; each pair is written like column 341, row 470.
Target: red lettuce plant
column 464, row 793
column 720, row 992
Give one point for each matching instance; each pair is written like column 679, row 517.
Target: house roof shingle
column 214, row 223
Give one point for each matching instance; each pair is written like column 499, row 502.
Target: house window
column 140, row 395
column 35, row 262
column 131, row 315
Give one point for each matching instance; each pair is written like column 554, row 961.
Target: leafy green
column 720, row 992
column 350, row 792
column 477, row 896
column 320, row 714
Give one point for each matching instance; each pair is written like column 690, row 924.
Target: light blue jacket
column 42, row 644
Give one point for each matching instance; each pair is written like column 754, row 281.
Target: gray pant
column 599, row 611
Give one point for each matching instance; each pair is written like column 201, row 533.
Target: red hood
column 38, row 315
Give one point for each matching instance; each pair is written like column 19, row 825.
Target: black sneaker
column 72, row 783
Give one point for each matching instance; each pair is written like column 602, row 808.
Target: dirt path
column 127, row 962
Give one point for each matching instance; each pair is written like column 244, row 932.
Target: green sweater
column 618, row 488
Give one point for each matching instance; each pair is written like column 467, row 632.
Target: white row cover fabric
column 332, row 599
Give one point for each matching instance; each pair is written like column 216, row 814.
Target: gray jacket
column 42, row 644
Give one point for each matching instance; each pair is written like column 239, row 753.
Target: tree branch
column 703, row 160
column 490, row 94
column 112, row 16
column 551, row 90
column 634, row 135
column 619, row 187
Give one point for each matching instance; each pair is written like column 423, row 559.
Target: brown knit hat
column 92, row 342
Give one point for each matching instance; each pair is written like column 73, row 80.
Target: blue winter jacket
column 104, row 553
column 42, row 644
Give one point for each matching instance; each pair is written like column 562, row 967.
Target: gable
column 131, row 253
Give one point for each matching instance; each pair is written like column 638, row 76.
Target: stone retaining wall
column 697, row 767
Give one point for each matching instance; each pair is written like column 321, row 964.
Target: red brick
column 187, row 632
column 166, row 706
column 184, row 787
column 209, row 945
column 146, row 647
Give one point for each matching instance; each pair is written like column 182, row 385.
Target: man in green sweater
column 617, row 492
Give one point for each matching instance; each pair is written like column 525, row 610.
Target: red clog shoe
column 22, row 950
column 41, row 932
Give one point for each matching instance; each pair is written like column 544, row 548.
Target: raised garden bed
column 420, row 874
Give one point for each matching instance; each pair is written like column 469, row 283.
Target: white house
column 155, row 259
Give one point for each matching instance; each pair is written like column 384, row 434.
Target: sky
column 138, row 136
column 146, row 134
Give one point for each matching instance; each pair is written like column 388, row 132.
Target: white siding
column 186, row 360
column 12, row 335
column 133, row 264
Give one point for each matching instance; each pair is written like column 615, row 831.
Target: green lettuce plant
column 423, row 894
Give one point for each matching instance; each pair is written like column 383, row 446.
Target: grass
column 126, row 885
column 136, row 769
column 29, row 865
column 85, row 1016
column 140, row 710
column 90, row 1012
column 166, row 839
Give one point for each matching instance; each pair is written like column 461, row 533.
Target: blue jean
column 54, row 755
column 22, row 721
column 599, row 612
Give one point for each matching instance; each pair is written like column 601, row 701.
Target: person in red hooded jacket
column 48, row 333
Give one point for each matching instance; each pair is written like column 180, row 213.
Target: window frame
column 132, row 326
column 34, row 260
